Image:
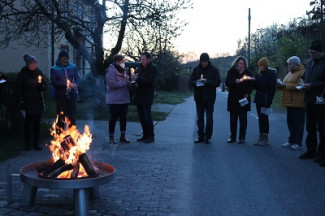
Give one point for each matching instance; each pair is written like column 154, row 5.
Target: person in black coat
column 205, row 79
column 240, row 86
column 265, row 85
column 144, row 95
column 31, row 84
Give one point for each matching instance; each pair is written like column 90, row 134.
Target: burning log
column 75, row 171
column 48, row 170
column 84, row 160
column 60, row 170
column 66, row 144
column 44, row 165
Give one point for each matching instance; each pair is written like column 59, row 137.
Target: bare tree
column 30, row 21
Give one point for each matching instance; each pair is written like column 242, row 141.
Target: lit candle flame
column 202, row 76
column 68, row 83
column 39, row 79
column 132, row 71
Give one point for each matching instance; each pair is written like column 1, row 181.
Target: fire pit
column 70, row 168
column 82, row 188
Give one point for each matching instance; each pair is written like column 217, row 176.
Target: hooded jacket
column 292, row 97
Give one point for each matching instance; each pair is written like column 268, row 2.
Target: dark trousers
column 315, row 115
column 201, row 108
column 144, row 113
column 66, row 107
column 263, row 121
column 117, row 111
column 242, row 124
column 32, row 130
column 296, row 124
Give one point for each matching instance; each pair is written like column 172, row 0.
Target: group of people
column 300, row 89
column 118, row 97
column 64, row 81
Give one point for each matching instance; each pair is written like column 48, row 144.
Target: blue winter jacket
column 58, row 77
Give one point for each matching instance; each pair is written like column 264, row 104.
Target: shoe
column 112, row 140
column 241, row 141
column 307, row 155
column 123, row 139
column 296, row 147
column 231, row 140
column 141, row 139
column 38, row 148
column 199, row 140
column 207, row 141
column 286, row 145
column 149, row 140
column 263, row 140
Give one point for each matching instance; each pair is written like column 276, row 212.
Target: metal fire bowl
column 29, row 175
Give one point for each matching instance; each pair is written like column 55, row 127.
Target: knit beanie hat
column 204, row 57
column 29, row 59
column 316, row 45
column 63, row 53
column 294, row 59
column 263, row 62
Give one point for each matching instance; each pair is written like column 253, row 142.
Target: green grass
column 173, row 97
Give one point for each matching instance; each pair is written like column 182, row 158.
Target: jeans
column 242, row 124
column 32, row 130
column 144, row 113
column 66, row 107
column 296, row 123
column 117, row 111
column 263, row 121
column 201, row 108
column 315, row 115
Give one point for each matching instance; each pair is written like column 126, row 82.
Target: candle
column 39, row 79
column 68, row 83
column 132, row 71
column 244, row 77
column 202, row 77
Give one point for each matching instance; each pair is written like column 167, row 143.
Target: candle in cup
column 39, row 79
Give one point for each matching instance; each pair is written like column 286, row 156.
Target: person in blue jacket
column 64, row 78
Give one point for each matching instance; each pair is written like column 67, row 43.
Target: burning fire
column 68, row 145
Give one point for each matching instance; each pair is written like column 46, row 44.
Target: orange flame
column 82, row 144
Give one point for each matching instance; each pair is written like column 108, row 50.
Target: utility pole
column 249, row 36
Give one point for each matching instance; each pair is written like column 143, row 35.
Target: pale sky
column 214, row 26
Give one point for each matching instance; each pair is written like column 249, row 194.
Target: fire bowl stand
column 83, row 189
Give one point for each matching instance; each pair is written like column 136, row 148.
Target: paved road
column 174, row 176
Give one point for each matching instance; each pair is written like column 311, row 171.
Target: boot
column 264, row 140
column 260, row 137
column 112, row 140
column 123, row 139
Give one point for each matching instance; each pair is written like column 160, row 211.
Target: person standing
column 65, row 77
column 293, row 100
column 31, row 85
column 240, row 86
column 265, row 85
column 205, row 79
column 144, row 95
column 314, row 85
column 117, row 97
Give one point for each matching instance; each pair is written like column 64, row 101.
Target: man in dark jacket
column 314, row 85
column 204, row 79
column 144, row 95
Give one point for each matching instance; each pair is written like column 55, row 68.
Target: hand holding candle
column 39, row 79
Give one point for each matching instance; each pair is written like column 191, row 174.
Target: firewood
column 59, row 163
column 75, row 171
column 60, row 170
column 84, row 160
column 44, row 165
